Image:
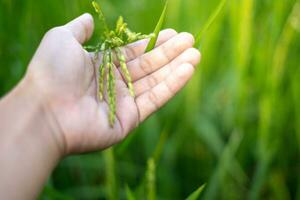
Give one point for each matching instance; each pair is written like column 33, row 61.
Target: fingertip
column 89, row 21
column 87, row 15
column 82, row 27
column 188, row 38
column 199, row 56
column 88, row 18
column 195, row 56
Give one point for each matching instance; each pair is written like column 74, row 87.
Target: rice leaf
column 129, row 193
column 157, row 29
column 50, row 192
column 195, row 195
column 210, row 21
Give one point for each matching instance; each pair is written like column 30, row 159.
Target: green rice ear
column 101, row 78
column 120, row 26
column 111, row 90
column 96, row 7
column 98, row 10
column 111, row 41
column 125, row 71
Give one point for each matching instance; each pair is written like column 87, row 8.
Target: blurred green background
column 236, row 126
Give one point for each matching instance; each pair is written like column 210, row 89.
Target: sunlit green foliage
column 236, row 126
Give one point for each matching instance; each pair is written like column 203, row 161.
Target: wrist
column 28, row 107
column 41, row 102
column 30, row 143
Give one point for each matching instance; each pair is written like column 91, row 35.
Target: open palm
column 66, row 74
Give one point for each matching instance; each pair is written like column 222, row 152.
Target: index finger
column 138, row 48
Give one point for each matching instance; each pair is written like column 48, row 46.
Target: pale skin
column 54, row 110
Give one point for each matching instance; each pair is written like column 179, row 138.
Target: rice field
column 235, row 127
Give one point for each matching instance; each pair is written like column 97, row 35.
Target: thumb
column 82, row 27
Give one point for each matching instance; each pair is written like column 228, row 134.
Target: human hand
column 64, row 75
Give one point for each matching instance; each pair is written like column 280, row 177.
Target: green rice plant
column 157, row 29
column 196, row 194
column 111, row 181
column 129, row 193
column 269, row 138
column 296, row 97
column 209, row 22
column 225, row 163
column 109, row 44
column 151, row 179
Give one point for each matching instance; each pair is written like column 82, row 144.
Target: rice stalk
column 269, row 138
column 225, row 162
column 111, row 181
column 129, row 193
column 151, row 179
column 282, row 48
column 209, row 22
column 157, row 29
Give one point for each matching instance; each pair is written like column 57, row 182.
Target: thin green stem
column 210, row 21
column 158, row 27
